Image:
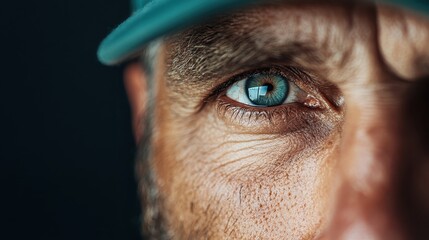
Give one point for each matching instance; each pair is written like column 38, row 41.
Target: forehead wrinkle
column 248, row 39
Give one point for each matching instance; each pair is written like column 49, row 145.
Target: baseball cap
column 155, row 18
column 152, row 19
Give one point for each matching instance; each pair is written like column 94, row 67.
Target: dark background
column 67, row 152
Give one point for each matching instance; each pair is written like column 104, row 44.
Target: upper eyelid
column 291, row 73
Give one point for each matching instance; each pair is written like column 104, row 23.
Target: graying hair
column 153, row 225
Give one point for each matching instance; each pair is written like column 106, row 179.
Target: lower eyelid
column 277, row 120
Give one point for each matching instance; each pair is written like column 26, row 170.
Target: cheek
column 220, row 183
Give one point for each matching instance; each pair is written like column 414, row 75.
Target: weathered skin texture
column 348, row 162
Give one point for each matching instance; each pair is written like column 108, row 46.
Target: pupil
column 269, row 86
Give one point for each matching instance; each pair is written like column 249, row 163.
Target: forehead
column 305, row 33
column 250, row 20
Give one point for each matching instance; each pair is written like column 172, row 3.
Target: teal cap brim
column 154, row 20
column 161, row 17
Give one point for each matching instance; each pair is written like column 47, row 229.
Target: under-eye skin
column 269, row 101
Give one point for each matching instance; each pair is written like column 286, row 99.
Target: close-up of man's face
column 286, row 120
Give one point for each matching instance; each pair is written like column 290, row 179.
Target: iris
column 267, row 89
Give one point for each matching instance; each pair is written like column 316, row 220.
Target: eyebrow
column 240, row 41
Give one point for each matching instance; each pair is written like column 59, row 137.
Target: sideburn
column 153, row 222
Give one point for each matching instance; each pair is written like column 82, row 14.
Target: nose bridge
column 371, row 139
column 364, row 205
column 375, row 171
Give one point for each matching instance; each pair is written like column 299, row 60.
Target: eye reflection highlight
column 255, row 92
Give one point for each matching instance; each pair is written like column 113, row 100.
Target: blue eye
column 266, row 89
column 263, row 89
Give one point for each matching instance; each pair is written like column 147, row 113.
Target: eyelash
column 290, row 73
column 272, row 118
column 247, row 115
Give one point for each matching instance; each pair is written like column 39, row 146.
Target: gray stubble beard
column 153, row 222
